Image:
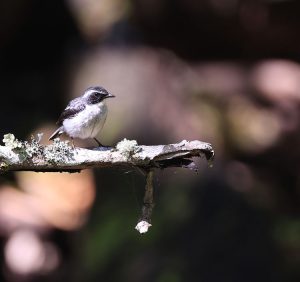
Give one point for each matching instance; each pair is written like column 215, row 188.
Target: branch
column 60, row 156
column 145, row 220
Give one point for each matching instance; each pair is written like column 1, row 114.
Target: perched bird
column 84, row 116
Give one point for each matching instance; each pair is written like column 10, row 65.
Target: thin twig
column 145, row 220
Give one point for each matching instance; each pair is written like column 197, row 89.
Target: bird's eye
column 96, row 95
column 94, row 98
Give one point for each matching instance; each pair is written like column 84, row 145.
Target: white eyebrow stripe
column 88, row 92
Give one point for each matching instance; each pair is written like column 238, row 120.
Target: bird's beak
column 110, row 96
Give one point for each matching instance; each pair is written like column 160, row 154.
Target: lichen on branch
column 18, row 155
column 60, row 156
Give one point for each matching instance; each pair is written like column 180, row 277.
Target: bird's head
column 96, row 94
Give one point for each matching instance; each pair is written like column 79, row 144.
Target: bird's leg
column 99, row 143
column 73, row 145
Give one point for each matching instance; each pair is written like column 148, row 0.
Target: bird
column 84, row 116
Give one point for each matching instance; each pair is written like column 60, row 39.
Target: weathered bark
column 76, row 159
column 60, row 156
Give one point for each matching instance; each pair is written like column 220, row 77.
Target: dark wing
column 73, row 108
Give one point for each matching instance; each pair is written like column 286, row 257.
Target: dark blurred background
column 225, row 72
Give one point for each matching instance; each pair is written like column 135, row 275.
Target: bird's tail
column 59, row 131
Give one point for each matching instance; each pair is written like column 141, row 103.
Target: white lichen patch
column 58, row 152
column 12, row 142
column 3, row 165
column 143, row 226
column 24, row 149
column 34, row 148
column 128, row 148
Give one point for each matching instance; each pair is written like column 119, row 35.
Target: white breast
column 87, row 123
